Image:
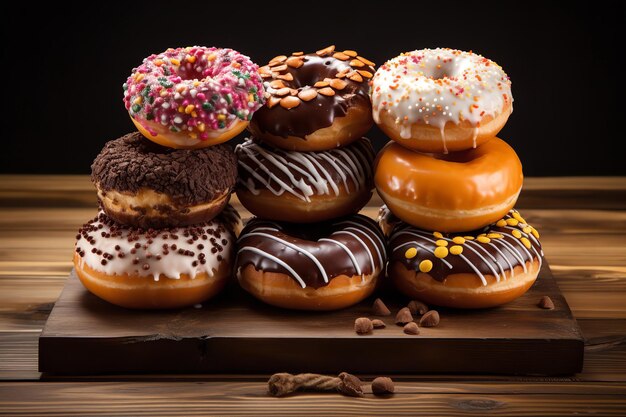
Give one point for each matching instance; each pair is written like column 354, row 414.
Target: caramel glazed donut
column 325, row 266
column 146, row 185
column 459, row 191
column 440, row 100
column 166, row 268
column 484, row 268
column 304, row 187
column 193, row 97
column 316, row 101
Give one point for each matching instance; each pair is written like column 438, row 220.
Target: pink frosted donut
column 193, row 97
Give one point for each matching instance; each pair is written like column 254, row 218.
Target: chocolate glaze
column 320, row 112
column 262, row 167
column 367, row 248
column 187, row 176
column 492, row 258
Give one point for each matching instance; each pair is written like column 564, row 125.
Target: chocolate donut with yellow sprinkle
column 484, row 268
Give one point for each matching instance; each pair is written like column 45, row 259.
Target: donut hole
column 460, row 157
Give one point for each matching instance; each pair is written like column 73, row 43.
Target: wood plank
column 246, row 334
column 246, row 398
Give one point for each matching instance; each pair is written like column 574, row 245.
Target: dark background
column 62, row 95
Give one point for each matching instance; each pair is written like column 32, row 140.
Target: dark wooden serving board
column 235, row 333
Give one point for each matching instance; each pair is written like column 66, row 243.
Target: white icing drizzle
column 298, row 249
column 275, row 259
column 480, row 275
column 437, row 86
column 352, row 162
column 150, row 258
column 470, row 245
column 517, row 254
column 358, row 239
column 380, row 255
column 347, row 250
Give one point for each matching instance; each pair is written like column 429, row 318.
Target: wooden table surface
column 583, row 228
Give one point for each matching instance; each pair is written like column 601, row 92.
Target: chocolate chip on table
column 350, row 385
column 411, row 328
column 379, row 308
column 382, row 385
column 404, row 316
column 363, row 325
column 417, row 307
column 430, row 319
column 378, row 324
column 546, row 303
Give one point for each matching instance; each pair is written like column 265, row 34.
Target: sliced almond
column 272, row 101
column 289, row 102
column 350, row 53
column 341, row 55
column 279, row 68
column 327, row 91
column 299, row 53
column 307, row 94
column 286, row 77
column 355, row 77
column 326, row 51
column 277, row 60
column 342, row 73
column 338, row 84
column 356, row 63
column 266, row 75
column 277, row 84
column 366, row 61
column 282, row 92
column 321, row 84
column 293, row 91
column 295, row 62
column 364, row 73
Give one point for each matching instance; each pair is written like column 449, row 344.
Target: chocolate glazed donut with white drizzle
column 325, row 266
column 304, row 187
column 484, row 268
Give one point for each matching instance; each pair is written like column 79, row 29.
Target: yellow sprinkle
column 458, row 240
column 250, row 97
column 535, row 233
column 518, row 217
column 410, row 253
column 426, row 265
column 163, row 93
column 527, row 229
column 138, row 100
column 456, row 250
column 526, row 242
column 139, row 77
column 468, row 237
column 181, row 109
column 191, row 58
column 193, row 135
column 441, row 252
column 180, row 88
column 189, row 108
column 194, row 114
column 438, row 235
column 441, row 242
column 201, row 127
column 501, row 223
column 494, row 235
column 211, row 57
column 158, row 62
column 196, row 83
column 516, row 233
column 483, row 239
column 221, row 117
column 512, row 222
column 175, row 61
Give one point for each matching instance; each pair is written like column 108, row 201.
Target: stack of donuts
column 165, row 234
column 305, row 173
column 449, row 184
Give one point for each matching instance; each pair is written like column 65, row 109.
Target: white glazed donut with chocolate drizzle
column 156, row 268
column 304, row 187
column 440, row 100
column 484, row 268
column 325, row 266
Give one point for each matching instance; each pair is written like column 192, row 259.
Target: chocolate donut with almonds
column 146, row 185
column 315, row 101
column 483, row 268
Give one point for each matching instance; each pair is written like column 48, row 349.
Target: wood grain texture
column 583, row 229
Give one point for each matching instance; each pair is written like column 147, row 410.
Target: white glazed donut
column 440, row 100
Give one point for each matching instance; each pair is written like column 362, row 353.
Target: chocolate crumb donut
column 316, row 101
column 143, row 184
